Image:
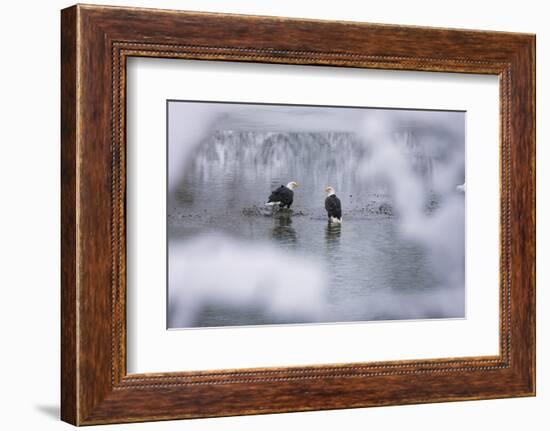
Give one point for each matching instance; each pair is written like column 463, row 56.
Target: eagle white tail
column 270, row 204
column 334, row 220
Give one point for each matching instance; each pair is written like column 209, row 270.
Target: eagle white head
column 329, row 190
column 292, row 185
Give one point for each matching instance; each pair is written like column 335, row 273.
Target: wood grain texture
column 96, row 41
column 69, row 397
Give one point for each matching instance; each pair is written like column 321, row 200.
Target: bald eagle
column 283, row 196
column 333, row 206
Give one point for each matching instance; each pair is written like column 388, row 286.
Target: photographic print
column 299, row 214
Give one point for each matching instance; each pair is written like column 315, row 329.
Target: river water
column 372, row 270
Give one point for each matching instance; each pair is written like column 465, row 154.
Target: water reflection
column 282, row 229
column 332, row 235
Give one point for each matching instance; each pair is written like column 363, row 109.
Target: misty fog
column 399, row 253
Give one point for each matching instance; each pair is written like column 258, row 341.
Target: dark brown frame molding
column 95, row 43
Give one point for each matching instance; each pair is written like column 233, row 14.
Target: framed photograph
column 263, row 214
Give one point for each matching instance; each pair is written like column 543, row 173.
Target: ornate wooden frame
column 95, row 43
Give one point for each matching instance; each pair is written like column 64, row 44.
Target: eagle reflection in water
column 282, row 229
column 332, row 235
